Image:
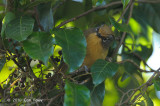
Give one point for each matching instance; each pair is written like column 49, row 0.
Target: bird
column 98, row 42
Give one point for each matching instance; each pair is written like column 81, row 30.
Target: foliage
column 42, row 49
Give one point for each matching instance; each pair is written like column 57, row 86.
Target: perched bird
column 98, row 42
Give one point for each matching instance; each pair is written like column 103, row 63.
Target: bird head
column 105, row 33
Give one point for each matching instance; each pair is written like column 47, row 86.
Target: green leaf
column 100, row 1
column 145, row 52
column 157, row 84
column 8, row 17
column 97, row 95
column 124, row 76
column 101, row 70
column 73, row 45
column 2, row 62
column 148, row 100
column 39, row 45
column 129, row 67
column 76, row 95
column 140, row 14
column 125, row 3
column 120, row 27
column 94, row 2
column 46, row 16
column 20, row 28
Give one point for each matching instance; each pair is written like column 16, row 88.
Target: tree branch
column 139, row 57
column 143, row 87
column 124, row 33
column 147, row 1
column 135, row 64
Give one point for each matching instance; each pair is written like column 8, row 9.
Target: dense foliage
column 40, row 39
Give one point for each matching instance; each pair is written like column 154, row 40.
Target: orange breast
column 94, row 50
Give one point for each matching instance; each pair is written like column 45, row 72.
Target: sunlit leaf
column 73, row 45
column 124, row 76
column 118, row 26
column 101, row 70
column 39, row 45
column 76, row 95
column 20, row 28
column 7, row 69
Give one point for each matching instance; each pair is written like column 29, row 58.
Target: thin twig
column 139, row 57
column 143, row 86
column 125, row 10
column 52, row 99
column 135, row 64
column 147, row 1
column 124, row 33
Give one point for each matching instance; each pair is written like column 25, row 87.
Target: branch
column 135, row 64
column 52, row 99
column 131, row 4
column 89, row 11
column 147, row 1
column 139, row 57
column 143, row 87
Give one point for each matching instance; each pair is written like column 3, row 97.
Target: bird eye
column 105, row 39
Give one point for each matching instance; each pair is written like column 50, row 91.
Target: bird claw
column 86, row 69
column 109, row 59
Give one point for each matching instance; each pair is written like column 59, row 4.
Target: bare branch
column 147, row 1
column 135, row 64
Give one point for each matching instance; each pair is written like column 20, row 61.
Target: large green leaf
column 2, row 62
column 39, row 45
column 76, row 95
column 157, row 84
column 148, row 100
column 45, row 16
column 70, row 9
column 8, row 17
column 97, row 95
column 73, row 45
column 20, row 28
column 125, row 3
column 141, row 14
column 118, row 26
column 129, row 67
column 101, row 70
